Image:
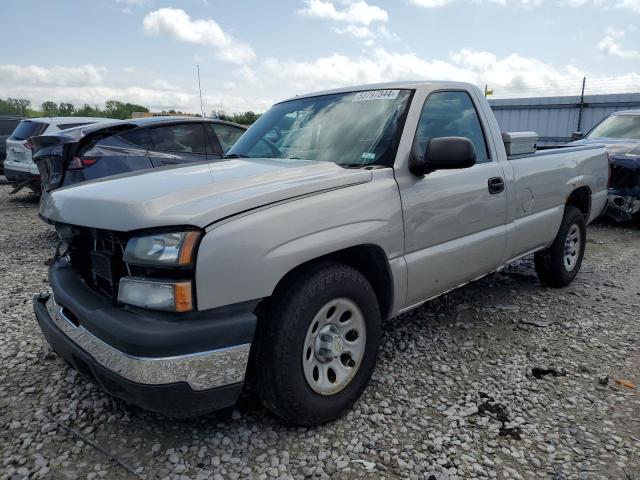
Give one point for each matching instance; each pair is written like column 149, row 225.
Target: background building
column 555, row 118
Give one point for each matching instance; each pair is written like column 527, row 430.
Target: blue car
column 620, row 133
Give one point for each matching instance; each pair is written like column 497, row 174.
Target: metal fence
column 555, row 118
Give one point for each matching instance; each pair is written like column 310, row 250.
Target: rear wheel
column 558, row 265
column 317, row 344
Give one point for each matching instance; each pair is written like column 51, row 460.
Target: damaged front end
column 624, row 187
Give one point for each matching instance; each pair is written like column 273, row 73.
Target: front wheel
column 317, row 345
column 558, row 265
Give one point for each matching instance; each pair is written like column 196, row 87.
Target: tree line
column 245, row 118
column 112, row 109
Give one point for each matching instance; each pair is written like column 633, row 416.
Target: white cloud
column 135, row 3
column 175, row 23
column 356, row 17
column 339, row 70
column 128, row 5
column 611, row 47
column 431, row 3
column 246, row 74
column 633, row 5
column 92, row 85
column 512, row 75
column 254, row 88
column 442, row 3
column 54, row 76
column 354, row 12
column 355, row 31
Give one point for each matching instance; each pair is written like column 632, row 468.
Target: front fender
column 245, row 257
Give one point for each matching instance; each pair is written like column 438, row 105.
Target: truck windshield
column 353, row 129
column 617, row 126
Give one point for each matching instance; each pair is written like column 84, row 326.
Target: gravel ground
column 501, row 379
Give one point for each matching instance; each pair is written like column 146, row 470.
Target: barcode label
column 375, row 95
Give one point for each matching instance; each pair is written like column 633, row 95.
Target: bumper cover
column 201, row 370
column 24, row 168
column 622, row 207
column 178, row 384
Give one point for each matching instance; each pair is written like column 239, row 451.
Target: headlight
column 175, row 296
column 170, row 249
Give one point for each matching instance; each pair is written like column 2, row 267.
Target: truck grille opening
column 97, row 256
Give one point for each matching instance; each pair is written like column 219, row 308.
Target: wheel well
column 370, row 261
column 581, row 199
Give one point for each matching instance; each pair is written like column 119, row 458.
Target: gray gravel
column 501, row 379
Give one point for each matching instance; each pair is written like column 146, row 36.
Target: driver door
column 455, row 220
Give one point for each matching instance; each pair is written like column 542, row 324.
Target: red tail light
column 78, row 163
column 28, row 146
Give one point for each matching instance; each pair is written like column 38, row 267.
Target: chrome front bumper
column 201, row 370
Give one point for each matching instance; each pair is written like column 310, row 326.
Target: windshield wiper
column 235, row 155
column 356, row 165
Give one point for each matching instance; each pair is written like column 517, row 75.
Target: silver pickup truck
column 334, row 211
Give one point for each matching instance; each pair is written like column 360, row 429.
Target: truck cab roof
column 411, row 85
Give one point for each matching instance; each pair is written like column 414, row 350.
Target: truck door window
column 450, row 114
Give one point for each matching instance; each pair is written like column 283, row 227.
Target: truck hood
column 195, row 194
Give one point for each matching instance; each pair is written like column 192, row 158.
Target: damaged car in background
column 620, row 134
column 19, row 166
column 122, row 146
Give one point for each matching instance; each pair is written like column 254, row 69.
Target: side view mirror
column 576, row 136
column 444, row 153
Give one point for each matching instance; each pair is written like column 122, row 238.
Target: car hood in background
column 195, row 194
column 613, row 146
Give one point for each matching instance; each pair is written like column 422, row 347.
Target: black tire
column 278, row 375
column 551, row 266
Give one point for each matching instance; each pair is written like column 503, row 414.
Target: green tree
column 20, row 105
column 49, row 108
column 116, row 109
column 88, row 111
column 6, row 109
column 219, row 114
column 66, row 109
column 246, row 118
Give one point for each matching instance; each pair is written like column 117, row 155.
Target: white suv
column 18, row 165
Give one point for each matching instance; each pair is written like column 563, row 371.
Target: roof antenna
column 200, row 89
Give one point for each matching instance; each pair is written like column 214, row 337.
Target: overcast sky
column 252, row 53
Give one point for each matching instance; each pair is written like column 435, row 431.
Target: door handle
column 496, row 185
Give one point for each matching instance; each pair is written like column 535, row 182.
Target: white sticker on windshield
column 369, row 156
column 375, row 95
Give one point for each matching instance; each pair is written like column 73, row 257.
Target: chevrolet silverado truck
column 334, row 211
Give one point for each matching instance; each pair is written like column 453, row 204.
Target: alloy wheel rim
column 572, row 246
column 334, row 346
